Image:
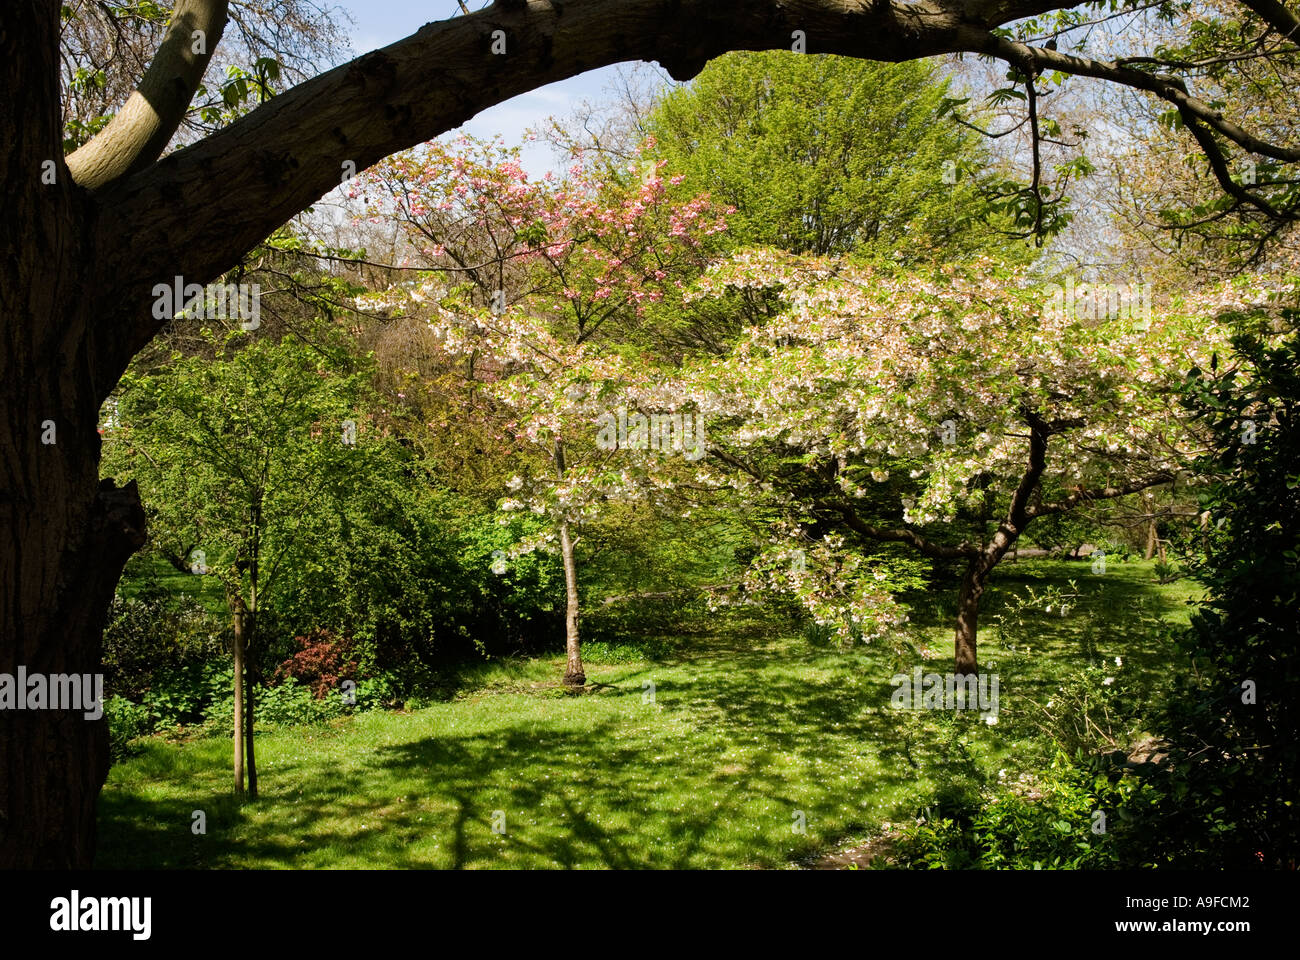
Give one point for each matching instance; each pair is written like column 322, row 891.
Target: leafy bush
column 181, row 697
column 197, row 694
column 818, row 635
column 409, row 585
column 381, row 692
column 154, row 633
column 1055, row 822
column 126, row 722
column 1234, row 721
column 295, row 703
column 1166, row 572
column 1091, row 711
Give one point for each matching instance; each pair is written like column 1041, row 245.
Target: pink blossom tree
column 546, row 287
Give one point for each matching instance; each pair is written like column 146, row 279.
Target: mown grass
column 746, row 736
column 150, row 568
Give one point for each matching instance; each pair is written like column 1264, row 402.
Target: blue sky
column 381, row 22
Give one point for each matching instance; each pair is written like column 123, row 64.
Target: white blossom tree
column 943, row 413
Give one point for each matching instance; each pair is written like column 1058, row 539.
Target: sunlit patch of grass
column 713, row 757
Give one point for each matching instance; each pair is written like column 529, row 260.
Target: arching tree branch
column 1099, row 493
column 197, row 211
column 896, row 534
column 1166, row 87
column 1276, row 15
column 137, row 136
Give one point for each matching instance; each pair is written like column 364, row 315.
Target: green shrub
column 291, row 703
column 1077, row 816
column 126, row 722
column 1233, row 722
column 1166, row 572
column 180, row 699
column 1092, row 711
column 153, row 633
column 818, row 635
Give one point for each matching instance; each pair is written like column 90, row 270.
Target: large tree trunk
column 67, row 539
column 64, row 536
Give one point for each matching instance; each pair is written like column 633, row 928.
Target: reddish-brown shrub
column 320, row 662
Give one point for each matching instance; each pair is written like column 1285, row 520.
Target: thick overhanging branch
column 1219, row 166
column 1276, row 15
column 141, row 130
column 195, row 212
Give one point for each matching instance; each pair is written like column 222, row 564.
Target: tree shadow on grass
column 623, row 790
column 742, row 733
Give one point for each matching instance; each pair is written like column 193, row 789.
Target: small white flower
column 514, row 483
column 1108, row 681
column 1119, row 662
column 991, row 719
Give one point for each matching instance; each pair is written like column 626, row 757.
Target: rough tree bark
column 965, row 649
column 64, row 535
column 80, row 261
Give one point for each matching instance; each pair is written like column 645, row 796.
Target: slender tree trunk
column 573, row 672
column 248, row 734
column 574, row 676
column 968, row 609
column 1151, row 540
column 239, row 696
column 250, row 633
column 250, row 681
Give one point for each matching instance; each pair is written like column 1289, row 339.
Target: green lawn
column 745, row 731
column 207, row 591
